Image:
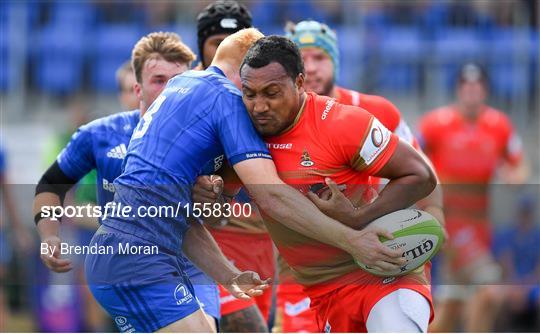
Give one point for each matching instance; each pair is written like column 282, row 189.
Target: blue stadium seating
column 352, row 56
column 452, row 47
column 80, row 13
column 400, row 53
column 112, row 45
column 59, row 59
column 509, row 61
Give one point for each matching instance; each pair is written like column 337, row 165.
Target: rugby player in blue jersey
column 102, row 145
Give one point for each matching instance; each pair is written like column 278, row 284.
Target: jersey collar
column 215, row 69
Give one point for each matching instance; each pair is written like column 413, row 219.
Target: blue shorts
column 142, row 292
column 206, row 290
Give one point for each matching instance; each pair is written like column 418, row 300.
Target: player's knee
column 401, row 311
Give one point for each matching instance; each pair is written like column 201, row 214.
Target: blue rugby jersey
column 198, row 118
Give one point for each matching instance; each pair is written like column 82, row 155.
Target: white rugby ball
column 417, row 234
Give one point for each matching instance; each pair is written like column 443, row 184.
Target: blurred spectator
column 125, row 77
column 518, row 249
column 15, row 240
column 520, row 245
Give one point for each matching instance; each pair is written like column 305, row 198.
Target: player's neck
column 142, row 108
column 469, row 112
column 333, row 92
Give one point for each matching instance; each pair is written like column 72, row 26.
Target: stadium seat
column 352, row 56
column 80, row 14
column 58, row 59
column 400, row 54
column 509, row 60
column 15, row 14
column 112, row 45
column 452, row 47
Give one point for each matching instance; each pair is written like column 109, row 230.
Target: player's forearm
column 200, row 247
column 399, row 193
column 289, row 207
column 45, row 226
column 433, row 204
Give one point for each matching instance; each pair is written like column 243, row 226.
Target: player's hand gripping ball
column 416, row 233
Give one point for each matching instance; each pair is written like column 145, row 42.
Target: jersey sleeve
column 380, row 107
column 362, row 140
column 236, row 132
column 76, row 159
column 514, row 149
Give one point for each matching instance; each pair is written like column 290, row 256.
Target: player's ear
column 138, row 90
column 299, row 82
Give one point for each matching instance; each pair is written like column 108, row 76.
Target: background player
column 217, row 21
column 348, row 145
column 467, row 141
column 102, row 144
column 125, row 78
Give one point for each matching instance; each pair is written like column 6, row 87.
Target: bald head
column 231, row 52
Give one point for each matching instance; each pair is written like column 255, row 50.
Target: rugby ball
column 416, row 233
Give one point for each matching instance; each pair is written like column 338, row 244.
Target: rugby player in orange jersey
column 319, row 49
column 467, row 142
column 313, row 138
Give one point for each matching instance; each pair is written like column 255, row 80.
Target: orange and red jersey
column 465, row 154
column 380, row 107
column 327, row 139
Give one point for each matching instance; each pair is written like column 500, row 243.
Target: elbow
column 427, row 179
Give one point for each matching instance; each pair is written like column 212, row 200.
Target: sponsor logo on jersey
column 306, row 159
column 123, row 324
column 228, row 23
column 378, row 138
column 109, row 186
column 274, row 146
column 329, row 105
column 117, row 152
column 388, row 280
column 294, row 309
column 218, row 162
column 182, row 294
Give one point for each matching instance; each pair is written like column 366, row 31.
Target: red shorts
column 247, row 251
column 346, row 307
column 293, row 309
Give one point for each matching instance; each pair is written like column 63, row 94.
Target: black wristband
column 39, row 216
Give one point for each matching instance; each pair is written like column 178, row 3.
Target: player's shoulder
column 382, row 108
column 495, row 118
column 215, row 79
column 116, row 123
column 440, row 116
column 329, row 113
